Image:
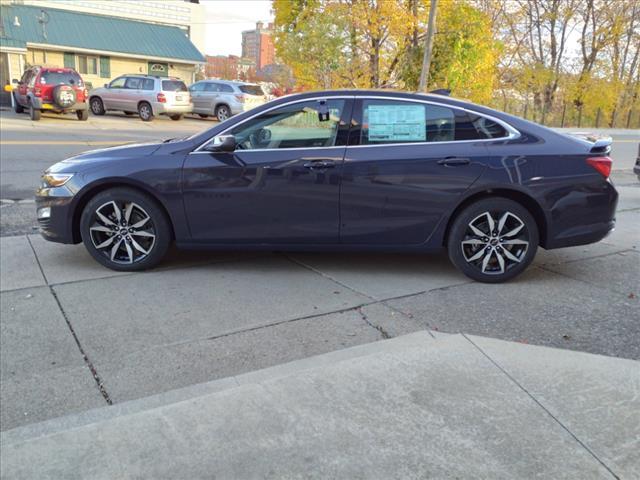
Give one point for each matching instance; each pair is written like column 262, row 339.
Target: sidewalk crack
column 539, row 403
column 87, row 361
column 385, row 335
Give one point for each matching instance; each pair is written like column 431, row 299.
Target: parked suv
column 58, row 90
column 148, row 95
column 223, row 98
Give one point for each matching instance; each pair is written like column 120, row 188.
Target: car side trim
column 513, row 133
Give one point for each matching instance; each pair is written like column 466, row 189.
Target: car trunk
column 176, row 92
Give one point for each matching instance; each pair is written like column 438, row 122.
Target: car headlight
column 56, row 179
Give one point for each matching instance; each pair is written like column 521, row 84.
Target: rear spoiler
column 599, row 143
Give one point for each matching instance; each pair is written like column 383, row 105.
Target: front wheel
column 97, row 107
column 34, row 113
column 493, row 240
column 16, row 106
column 222, row 113
column 125, row 230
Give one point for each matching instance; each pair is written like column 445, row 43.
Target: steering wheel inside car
column 260, row 138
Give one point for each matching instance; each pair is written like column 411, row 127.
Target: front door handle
column 454, row 161
column 319, row 164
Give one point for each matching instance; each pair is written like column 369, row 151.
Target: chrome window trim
column 513, row 133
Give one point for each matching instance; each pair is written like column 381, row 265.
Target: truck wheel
column 34, row 113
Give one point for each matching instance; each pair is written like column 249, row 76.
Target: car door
column 280, row 185
column 407, row 164
column 112, row 95
column 132, row 94
column 197, row 96
column 210, row 97
column 23, row 87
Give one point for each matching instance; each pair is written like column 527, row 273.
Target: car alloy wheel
column 222, row 113
column 123, row 232
column 495, row 242
column 145, row 112
column 97, row 108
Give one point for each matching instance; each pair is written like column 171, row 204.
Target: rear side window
column 388, row 121
column 251, row 89
column 174, row 86
column 56, row 78
column 212, row 87
column 133, row 83
column 223, row 87
column 148, row 84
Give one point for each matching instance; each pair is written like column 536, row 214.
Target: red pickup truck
column 58, row 90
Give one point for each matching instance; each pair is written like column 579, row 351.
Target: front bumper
column 57, row 226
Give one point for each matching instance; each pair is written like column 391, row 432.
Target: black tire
column 128, row 255
column 16, row 106
column 495, row 256
column 97, row 107
column 176, row 116
column 202, row 115
column 82, row 115
column 64, row 96
column 34, row 113
column 128, row 114
column 145, row 111
column 223, row 113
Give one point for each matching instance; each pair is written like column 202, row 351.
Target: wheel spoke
column 514, row 231
column 138, row 247
column 142, row 233
column 104, row 219
column 473, row 241
column 476, row 255
column 115, row 248
column 502, row 221
column 492, row 224
column 116, row 210
column 485, row 261
column 106, row 243
column 129, row 251
column 500, row 261
column 140, row 223
column 515, row 241
column 127, row 211
column 100, row 228
column 477, row 231
column 510, row 255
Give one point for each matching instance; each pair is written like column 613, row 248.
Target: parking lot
column 76, row 336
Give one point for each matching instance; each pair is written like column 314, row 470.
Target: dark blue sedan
column 341, row 170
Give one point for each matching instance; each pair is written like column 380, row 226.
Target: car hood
column 105, row 155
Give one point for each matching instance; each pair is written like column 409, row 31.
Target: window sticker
column 397, row 123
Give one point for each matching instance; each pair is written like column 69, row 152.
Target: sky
column 226, row 19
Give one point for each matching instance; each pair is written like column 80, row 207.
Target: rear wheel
column 493, row 240
column 82, row 114
column 34, row 113
column 222, row 112
column 125, row 230
column 97, row 107
column 145, row 112
column 202, row 115
column 176, row 116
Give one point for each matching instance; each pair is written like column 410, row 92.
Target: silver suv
column 223, row 98
column 145, row 94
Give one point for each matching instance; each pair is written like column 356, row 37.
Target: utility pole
column 428, row 46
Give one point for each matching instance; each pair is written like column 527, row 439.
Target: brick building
column 258, row 46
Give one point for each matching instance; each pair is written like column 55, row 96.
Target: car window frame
column 140, row 79
column 356, row 120
column 202, row 86
column 116, row 79
column 342, row 136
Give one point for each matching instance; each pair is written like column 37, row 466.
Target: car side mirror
column 222, row 143
column 16, row 81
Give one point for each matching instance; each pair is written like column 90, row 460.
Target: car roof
column 230, row 82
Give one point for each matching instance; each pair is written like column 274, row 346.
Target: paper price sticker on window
column 397, row 123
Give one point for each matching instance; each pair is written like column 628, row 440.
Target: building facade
column 258, row 46
column 223, row 67
column 99, row 47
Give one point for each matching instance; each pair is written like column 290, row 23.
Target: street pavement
column 455, row 406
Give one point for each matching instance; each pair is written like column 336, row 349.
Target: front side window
column 87, row 65
column 118, row 83
column 313, row 123
column 212, row 87
column 389, row 121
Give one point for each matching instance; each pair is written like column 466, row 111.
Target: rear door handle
column 454, row 161
column 319, row 164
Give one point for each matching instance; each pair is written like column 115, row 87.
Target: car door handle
column 454, row 161
column 319, row 164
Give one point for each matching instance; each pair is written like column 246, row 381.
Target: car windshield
column 174, row 86
column 251, row 89
column 57, row 78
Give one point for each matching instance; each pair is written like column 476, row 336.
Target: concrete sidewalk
column 410, row 407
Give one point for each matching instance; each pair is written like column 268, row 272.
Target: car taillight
column 85, row 93
column 601, row 164
column 37, row 91
column 161, row 98
column 240, row 98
